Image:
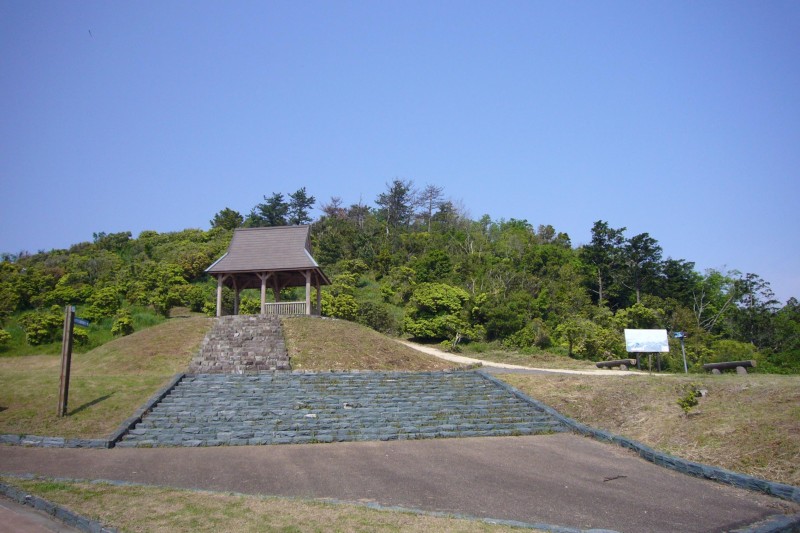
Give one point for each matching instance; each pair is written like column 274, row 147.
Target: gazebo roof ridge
column 269, row 249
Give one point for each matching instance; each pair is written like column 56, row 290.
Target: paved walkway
column 554, row 479
column 18, row 518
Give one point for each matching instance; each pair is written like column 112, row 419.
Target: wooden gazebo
column 274, row 257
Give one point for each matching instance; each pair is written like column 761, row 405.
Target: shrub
column 533, row 334
column 5, row 337
column 42, row 327
column 377, row 317
column 104, row 302
column 80, row 336
column 123, row 324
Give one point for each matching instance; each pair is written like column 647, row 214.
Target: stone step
column 276, row 408
column 242, row 344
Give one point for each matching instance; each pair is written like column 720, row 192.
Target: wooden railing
column 286, row 309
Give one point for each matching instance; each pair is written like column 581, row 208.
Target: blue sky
column 680, row 119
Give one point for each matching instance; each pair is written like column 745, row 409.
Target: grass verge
column 749, row 424
column 107, row 384
column 139, row 508
column 329, row 344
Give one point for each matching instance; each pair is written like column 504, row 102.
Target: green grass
column 748, row 424
column 107, row 384
column 140, row 508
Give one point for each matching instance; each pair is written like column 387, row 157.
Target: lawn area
column 749, row 424
column 138, row 508
column 107, row 384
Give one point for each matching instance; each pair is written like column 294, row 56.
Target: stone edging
column 128, row 424
column 56, row 511
column 60, row 442
column 779, row 490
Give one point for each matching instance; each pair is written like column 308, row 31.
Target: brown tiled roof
column 267, row 249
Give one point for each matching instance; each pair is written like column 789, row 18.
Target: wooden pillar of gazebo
column 307, row 274
column 264, row 276
column 236, row 291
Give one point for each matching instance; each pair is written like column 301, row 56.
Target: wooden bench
column 740, row 366
column 623, row 364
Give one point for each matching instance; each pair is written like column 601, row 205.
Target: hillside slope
column 331, row 344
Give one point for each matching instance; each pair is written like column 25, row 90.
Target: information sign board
column 646, row 341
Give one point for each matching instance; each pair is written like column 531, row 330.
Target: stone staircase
column 242, row 344
column 287, row 407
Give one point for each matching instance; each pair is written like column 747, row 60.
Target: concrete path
column 499, row 368
column 558, row 479
column 18, row 518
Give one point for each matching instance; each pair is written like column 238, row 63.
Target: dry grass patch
column 137, row 508
column 330, row 344
column 537, row 360
column 107, row 384
column 748, row 424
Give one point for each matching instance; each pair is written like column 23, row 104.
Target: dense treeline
column 414, row 262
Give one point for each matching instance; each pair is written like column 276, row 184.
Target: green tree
column 272, row 212
column 396, row 205
column 227, row 219
column 430, row 199
column 604, row 254
column 642, row 255
column 436, row 312
column 755, row 311
column 300, row 203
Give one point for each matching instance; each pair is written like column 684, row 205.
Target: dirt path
column 505, row 367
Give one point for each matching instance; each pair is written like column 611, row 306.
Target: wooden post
column 308, row 291
column 263, row 291
column 66, row 360
column 264, row 276
column 219, row 295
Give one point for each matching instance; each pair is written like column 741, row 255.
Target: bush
column 247, row 306
column 342, row 306
column 123, row 324
column 436, row 312
column 5, row 337
column 80, row 336
column 104, row 302
column 42, row 327
column 533, row 334
column 377, row 317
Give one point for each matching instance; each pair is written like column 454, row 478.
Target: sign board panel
column 82, row 322
column 646, row 341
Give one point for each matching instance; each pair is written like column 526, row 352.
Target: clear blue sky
column 676, row 118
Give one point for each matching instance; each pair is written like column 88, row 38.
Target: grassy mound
column 329, row 344
column 107, row 384
column 749, row 424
